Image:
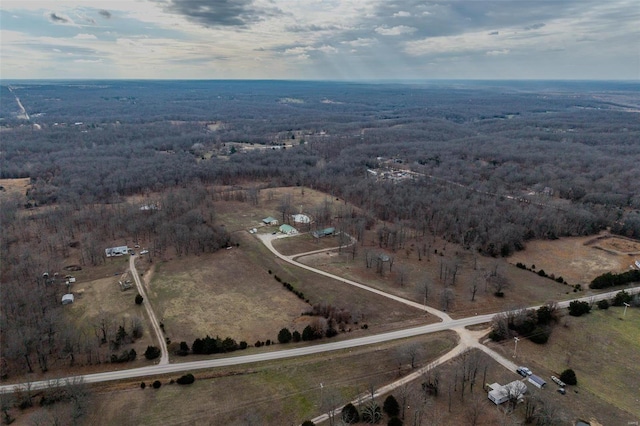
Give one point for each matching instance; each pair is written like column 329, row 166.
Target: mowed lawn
column 275, row 393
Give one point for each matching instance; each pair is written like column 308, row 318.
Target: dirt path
column 164, row 357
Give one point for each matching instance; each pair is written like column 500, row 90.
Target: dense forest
column 488, row 165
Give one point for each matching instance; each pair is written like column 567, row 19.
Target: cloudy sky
column 320, row 39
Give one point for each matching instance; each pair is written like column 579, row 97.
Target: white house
column 500, row 394
column 301, row 218
column 116, row 251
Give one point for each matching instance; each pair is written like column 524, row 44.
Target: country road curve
column 162, row 344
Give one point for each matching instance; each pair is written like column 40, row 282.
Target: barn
column 270, row 221
column 288, row 229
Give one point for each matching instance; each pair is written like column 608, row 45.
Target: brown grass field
column 232, row 293
column 604, row 350
column 14, row 187
column 274, row 393
column 525, row 289
column 579, row 259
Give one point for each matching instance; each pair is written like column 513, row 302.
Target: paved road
column 290, row 353
column 164, row 353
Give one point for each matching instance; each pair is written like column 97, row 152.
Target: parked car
column 524, row 371
column 561, row 391
column 144, row 252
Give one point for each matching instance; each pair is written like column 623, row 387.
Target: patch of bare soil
column 617, row 244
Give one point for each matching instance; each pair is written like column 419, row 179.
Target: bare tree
column 474, row 287
column 423, row 287
column 402, row 274
column 285, row 206
column 409, row 354
column 446, row 298
column 498, row 282
column 474, row 410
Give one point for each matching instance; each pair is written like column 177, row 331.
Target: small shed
column 323, row 232
column 288, row 229
column 500, row 394
column 270, row 221
column 67, row 299
column 537, row 381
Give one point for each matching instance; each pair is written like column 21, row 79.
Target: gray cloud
column 105, row 14
column 57, row 18
column 219, row 13
column 311, row 28
column 534, row 26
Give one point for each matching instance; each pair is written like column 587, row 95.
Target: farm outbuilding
column 323, row 232
column 288, row 229
column 67, row 299
column 500, row 394
column 537, row 381
column 270, row 221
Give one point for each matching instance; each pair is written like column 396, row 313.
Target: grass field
column 579, row 259
column 604, row 351
column 275, row 393
column 526, row 288
column 231, row 293
column 14, row 187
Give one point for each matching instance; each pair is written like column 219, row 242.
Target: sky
column 320, row 39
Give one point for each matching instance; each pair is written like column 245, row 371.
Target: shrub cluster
column 535, row 325
column 291, row 288
column 187, row 379
column 210, row 345
column 125, row 356
column 621, row 298
column 152, row 352
column 569, row 377
column 577, row 308
column 541, row 273
column 610, row 279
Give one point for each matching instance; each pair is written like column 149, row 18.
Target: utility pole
column 626, row 305
column 516, row 347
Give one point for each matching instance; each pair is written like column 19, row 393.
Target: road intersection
column 468, row 339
